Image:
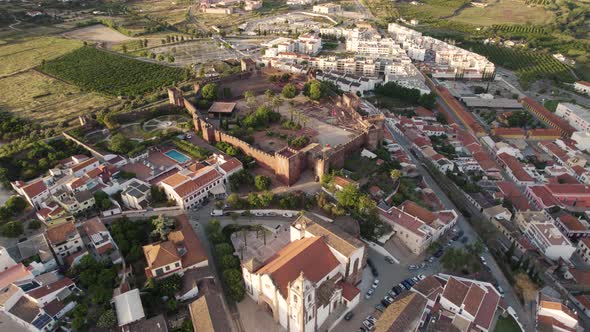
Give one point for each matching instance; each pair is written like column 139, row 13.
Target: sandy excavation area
column 98, row 33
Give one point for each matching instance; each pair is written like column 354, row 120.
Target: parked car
column 455, row 237
column 388, row 299
column 460, row 233
column 392, row 294
column 413, row 267
column 271, row 214
column 438, row 253
column 410, row 281
column 406, row 285
column 385, row 303
column 287, row 214
column 380, row 307
column 389, row 260
column 369, row 293
column 372, row 319
column 423, row 265
column 348, row 315
column 483, row 260
column 464, row 239
column 431, row 259
column 216, row 213
column 415, row 279
column 397, row 289
column 421, row 277
column 258, row 214
column 368, row 324
column 375, row 283
column 501, row 291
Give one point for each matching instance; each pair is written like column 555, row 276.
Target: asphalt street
column 525, row 316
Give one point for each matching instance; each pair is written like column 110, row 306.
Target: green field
column 528, row 65
column 30, row 52
column 45, row 100
column 506, row 325
column 505, row 12
column 96, row 70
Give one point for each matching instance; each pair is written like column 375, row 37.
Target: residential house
column 128, row 307
column 552, row 315
column 64, row 240
column 405, row 314
column 136, row 194
column 180, row 252
column 583, row 249
column 100, row 241
column 572, row 227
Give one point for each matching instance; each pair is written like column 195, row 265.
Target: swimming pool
column 177, row 156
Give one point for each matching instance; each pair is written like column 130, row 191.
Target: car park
column 348, row 315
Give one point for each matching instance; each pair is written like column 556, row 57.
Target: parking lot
column 389, row 275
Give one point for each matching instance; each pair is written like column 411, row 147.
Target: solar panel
column 41, row 321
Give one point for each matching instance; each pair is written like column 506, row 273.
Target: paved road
column 510, row 296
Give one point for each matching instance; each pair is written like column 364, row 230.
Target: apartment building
column 582, row 86
column 577, row 116
column 65, row 240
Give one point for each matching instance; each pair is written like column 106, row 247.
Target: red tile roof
column 513, row 194
column 544, row 132
column 455, row 291
column 310, row 256
column 509, row 132
column 231, row 164
column 548, row 116
column 14, row 273
column 572, row 223
column 515, row 167
column 417, row 211
column 35, row 188
column 544, row 196
column 349, row 292
column 484, row 160
column 403, row 219
column 583, row 83
column 423, row 112
column 83, row 164
column 61, row 232
column 57, row 286
column 473, row 299
column 192, row 186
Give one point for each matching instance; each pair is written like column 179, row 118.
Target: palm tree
column 304, row 120
column 291, row 112
column 277, row 101
column 269, row 94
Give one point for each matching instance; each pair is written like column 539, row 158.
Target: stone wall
column 288, row 164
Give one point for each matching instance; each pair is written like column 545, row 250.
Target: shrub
column 289, row 91
column 12, row 229
column 262, row 182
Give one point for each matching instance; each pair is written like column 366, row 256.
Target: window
column 177, row 264
column 159, row 272
column 167, row 267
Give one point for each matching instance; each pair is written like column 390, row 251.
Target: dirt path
column 456, row 12
column 12, row 26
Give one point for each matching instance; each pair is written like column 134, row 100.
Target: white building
column 65, row 240
column 327, row 8
column 350, row 83
column 310, row 278
column 128, row 307
column 583, row 249
column 552, row 315
column 195, row 183
column 550, row 241
column 577, row 116
column 583, row 87
column 136, row 195
column 417, row 227
column 582, row 139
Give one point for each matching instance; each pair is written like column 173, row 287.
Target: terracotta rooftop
column 343, row 182
column 208, row 314
column 51, row 288
column 94, row 226
column 403, row 219
column 194, row 185
column 34, row 188
column 61, row 232
column 572, row 223
column 335, row 237
column 430, row 285
column 230, row 165
column 402, row 315
column 349, row 291
column 160, row 254
column 310, row 256
column 14, row 273
column 418, row 211
column 455, row 291
column 83, row 164
column 25, row 309
column 515, row 167
column 221, row 107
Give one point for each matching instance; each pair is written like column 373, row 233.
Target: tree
column 233, row 280
column 16, row 204
column 103, row 201
column 316, row 90
column 201, row 71
column 107, row 319
column 233, row 200
column 395, row 174
column 209, row 91
column 262, row 182
column 120, row 144
column 158, row 194
column 289, row 91
column 265, row 198
column 348, row 196
column 34, row 224
column 169, row 286
column 268, row 94
column 223, row 249
column 253, row 200
column 160, row 57
column 12, row 229
column 229, row 262
column 162, row 226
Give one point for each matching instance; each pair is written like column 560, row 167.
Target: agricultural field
column 98, row 33
column 105, row 72
column 528, row 65
column 47, row 101
column 172, row 12
column 30, row 52
column 505, row 12
column 199, row 51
